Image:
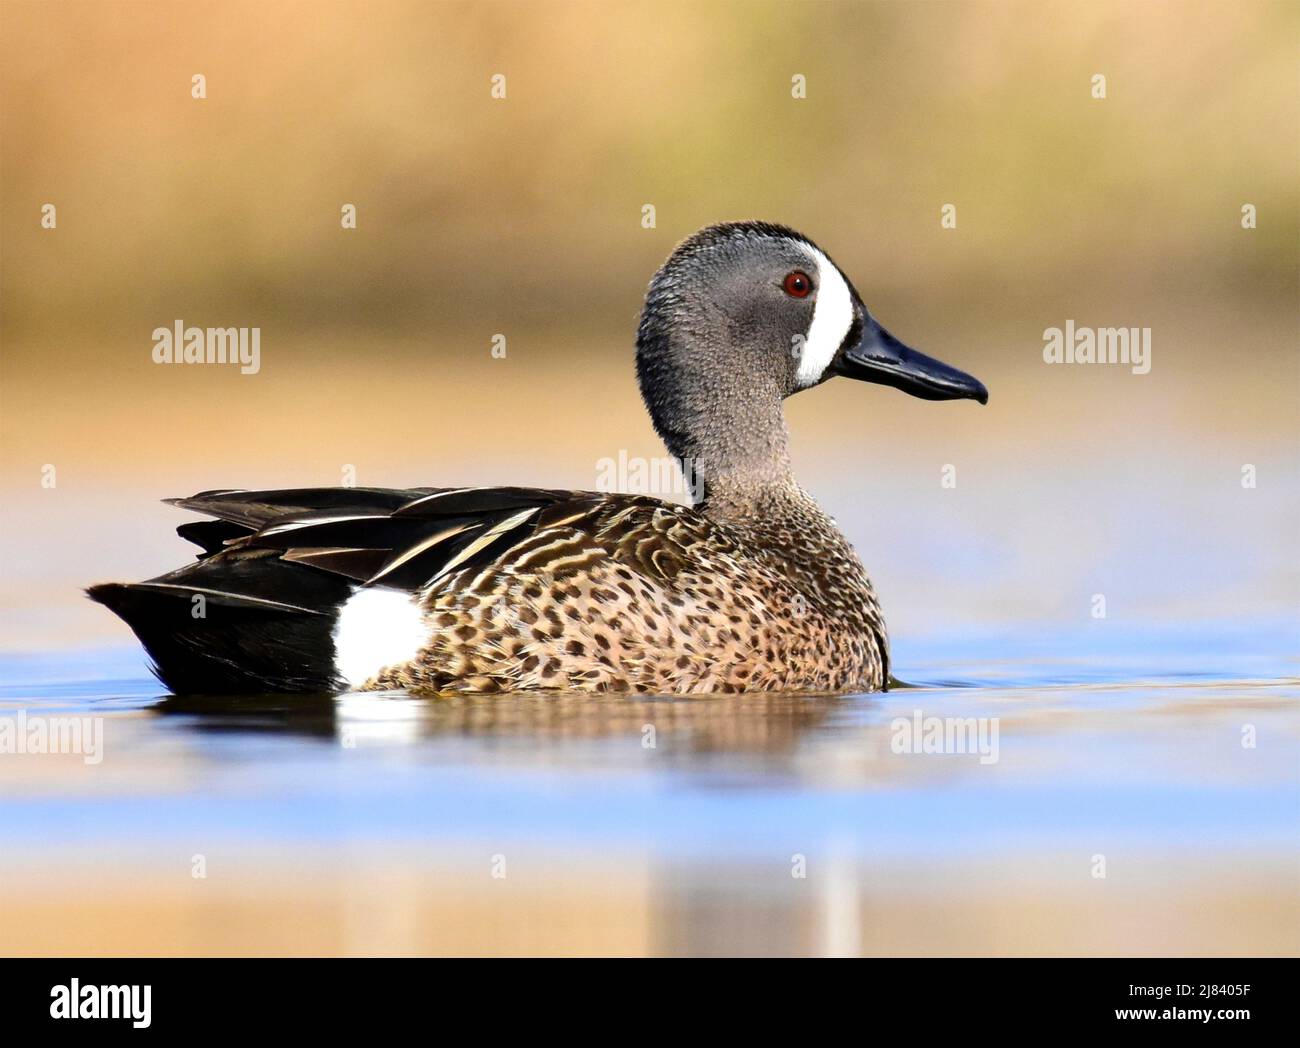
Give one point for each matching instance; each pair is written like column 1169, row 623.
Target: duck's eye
column 797, row 284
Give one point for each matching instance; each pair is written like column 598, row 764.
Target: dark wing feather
column 255, row 509
column 400, row 538
column 356, row 564
column 211, row 535
column 476, row 501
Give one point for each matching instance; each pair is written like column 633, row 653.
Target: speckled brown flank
column 637, row 595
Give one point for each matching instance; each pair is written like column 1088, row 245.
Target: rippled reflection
column 757, row 723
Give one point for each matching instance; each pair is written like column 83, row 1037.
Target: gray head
column 743, row 315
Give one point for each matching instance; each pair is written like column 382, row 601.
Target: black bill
column 879, row 357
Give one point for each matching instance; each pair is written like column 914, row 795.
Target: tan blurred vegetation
column 527, row 210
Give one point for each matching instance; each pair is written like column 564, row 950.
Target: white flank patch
column 376, row 628
column 832, row 318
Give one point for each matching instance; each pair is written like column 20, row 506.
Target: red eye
column 797, row 284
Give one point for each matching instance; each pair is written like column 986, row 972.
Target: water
column 1141, row 794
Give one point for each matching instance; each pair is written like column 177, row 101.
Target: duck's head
column 745, row 314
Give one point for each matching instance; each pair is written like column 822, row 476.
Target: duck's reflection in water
column 745, row 723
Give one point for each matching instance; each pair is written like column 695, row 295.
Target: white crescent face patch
column 832, row 318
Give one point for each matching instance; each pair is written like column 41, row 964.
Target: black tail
column 204, row 640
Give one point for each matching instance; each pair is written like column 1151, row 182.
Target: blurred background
column 365, row 826
column 523, row 216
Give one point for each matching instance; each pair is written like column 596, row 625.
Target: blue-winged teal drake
column 503, row 589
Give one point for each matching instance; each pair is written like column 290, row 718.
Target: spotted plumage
column 754, row 588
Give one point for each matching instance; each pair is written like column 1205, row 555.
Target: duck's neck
column 736, row 462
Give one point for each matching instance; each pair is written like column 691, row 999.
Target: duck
column 426, row 590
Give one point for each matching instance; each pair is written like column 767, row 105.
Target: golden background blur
column 522, row 216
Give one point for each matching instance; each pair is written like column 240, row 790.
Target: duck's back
column 493, row 589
